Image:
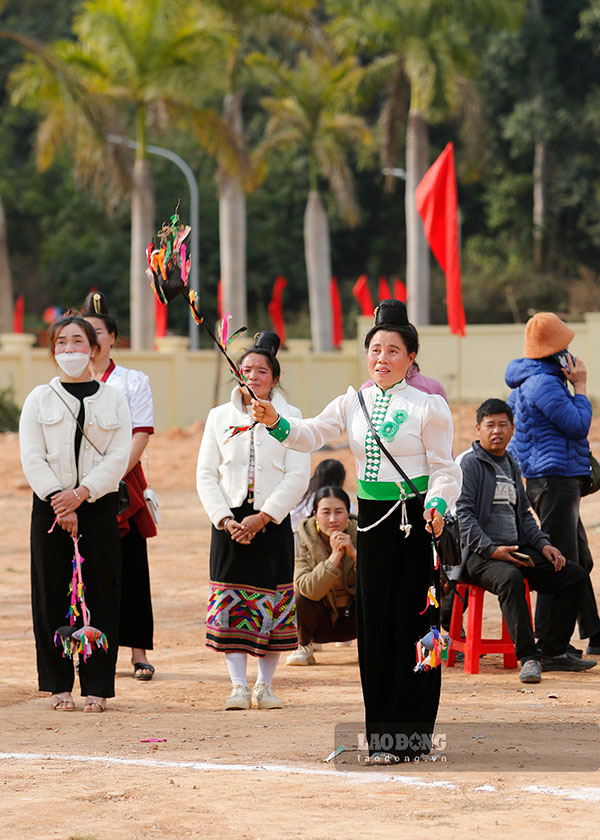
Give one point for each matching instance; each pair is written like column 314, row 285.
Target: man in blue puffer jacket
column 551, row 447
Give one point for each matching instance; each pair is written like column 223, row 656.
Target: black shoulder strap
column 74, row 416
column 390, row 457
column 419, row 495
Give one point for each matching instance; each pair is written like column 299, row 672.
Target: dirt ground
column 166, row 761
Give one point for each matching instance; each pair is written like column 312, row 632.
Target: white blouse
column 421, row 442
column 136, row 387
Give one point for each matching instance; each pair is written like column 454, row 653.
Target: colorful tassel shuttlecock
column 168, row 271
column 432, row 650
column 168, row 262
column 73, row 639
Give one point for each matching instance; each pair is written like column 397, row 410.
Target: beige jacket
column 314, row 575
column 47, row 437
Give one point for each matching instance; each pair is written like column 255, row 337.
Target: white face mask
column 73, row 364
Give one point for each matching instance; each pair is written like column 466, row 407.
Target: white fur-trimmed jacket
column 281, row 475
column 47, row 440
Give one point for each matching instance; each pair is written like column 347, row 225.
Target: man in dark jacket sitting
column 502, row 544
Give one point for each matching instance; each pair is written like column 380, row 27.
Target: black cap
column 391, row 311
column 267, row 340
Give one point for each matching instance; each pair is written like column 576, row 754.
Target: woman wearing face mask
column 395, row 575
column 74, row 436
column 136, row 525
column 248, row 484
column 325, row 575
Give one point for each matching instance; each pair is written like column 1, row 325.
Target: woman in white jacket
column 248, row 484
column 396, row 578
column 74, row 436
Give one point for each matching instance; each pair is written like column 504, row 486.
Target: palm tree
column 247, row 22
column 312, row 114
column 133, row 62
column 426, row 57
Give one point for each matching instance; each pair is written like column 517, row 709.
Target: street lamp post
column 394, row 171
column 194, row 216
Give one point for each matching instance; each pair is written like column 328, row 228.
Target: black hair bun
column 95, row 303
column 267, row 340
column 391, row 311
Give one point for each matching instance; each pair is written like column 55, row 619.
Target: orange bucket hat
column 546, row 334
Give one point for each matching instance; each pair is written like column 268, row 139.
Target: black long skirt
column 394, row 574
column 136, row 626
column 251, row 607
column 51, row 574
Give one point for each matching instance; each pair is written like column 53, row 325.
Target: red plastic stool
column 473, row 646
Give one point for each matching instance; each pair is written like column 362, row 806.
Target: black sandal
column 140, row 667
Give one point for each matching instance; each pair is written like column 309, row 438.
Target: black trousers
column 51, row 573
column 507, row 582
column 556, row 500
column 393, row 574
column 314, row 621
column 136, row 625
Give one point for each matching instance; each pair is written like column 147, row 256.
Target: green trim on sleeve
column 438, row 503
column 281, row 430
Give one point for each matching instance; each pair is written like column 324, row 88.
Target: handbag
column 150, row 496
column 447, row 545
column 122, row 497
column 591, row 483
column 123, row 489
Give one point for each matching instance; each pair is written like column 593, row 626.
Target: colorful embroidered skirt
column 251, row 606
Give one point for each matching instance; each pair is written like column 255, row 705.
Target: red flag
column 399, row 290
column 160, row 318
column 336, row 312
column 19, row 314
column 276, row 307
column 437, row 205
column 361, row 292
column 385, row 292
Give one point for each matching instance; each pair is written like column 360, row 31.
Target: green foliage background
column 62, row 242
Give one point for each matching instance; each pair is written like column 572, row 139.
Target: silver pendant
column 405, row 525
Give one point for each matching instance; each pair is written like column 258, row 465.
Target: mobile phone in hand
column 563, row 359
column 524, row 558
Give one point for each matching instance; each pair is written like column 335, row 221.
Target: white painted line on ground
column 586, row 794
column 340, row 775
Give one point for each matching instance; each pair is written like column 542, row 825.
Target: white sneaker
column 263, row 697
column 303, row 655
column 240, row 698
